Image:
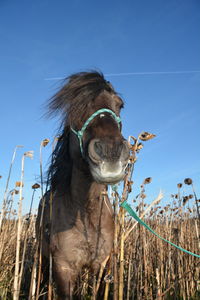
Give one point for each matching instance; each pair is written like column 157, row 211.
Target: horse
column 90, row 154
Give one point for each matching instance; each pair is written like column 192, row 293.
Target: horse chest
column 86, row 243
column 99, row 238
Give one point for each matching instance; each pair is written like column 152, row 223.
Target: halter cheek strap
column 80, row 132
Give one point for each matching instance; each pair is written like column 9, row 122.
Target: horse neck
column 84, row 191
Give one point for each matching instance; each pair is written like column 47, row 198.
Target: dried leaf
column 143, row 196
column 147, row 180
column 45, row 142
column 145, row 136
column 130, row 186
column 35, row 186
column 139, row 147
column 29, row 154
column 19, row 183
column 14, row 192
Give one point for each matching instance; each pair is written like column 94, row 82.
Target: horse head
column 91, row 117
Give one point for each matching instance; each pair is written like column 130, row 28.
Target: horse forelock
column 79, row 91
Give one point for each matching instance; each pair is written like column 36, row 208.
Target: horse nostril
column 95, row 150
column 98, row 148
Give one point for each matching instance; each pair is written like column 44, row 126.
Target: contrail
column 137, row 73
column 152, row 73
column 54, row 78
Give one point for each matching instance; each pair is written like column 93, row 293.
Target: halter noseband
column 80, row 132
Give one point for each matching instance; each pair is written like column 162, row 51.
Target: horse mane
column 71, row 102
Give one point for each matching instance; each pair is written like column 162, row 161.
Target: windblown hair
column 80, row 89
column 72, row 102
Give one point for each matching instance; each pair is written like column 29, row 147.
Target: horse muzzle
column 108, row 160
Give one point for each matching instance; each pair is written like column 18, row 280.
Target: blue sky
column 42, row 40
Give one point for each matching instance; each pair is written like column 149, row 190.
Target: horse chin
column 109, row 180
column 107, row 173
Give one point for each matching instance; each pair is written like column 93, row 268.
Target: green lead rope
column 128, row 208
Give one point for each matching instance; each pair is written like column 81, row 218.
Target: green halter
column 80, row 132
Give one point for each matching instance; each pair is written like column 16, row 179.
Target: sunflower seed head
column 188, row 181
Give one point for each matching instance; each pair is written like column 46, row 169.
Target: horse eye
column 101, row 115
